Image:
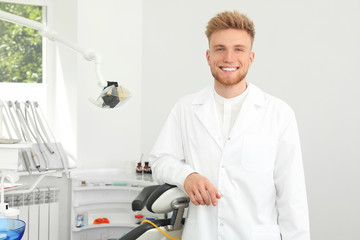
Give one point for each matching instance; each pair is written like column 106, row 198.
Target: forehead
column 230, row 37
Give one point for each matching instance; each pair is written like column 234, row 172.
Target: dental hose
column 147, row 221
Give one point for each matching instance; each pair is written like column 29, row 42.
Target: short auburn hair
column 230, row 20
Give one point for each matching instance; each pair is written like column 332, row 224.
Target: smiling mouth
column 229, row 69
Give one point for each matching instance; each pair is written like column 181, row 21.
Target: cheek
column 211, row 62
column 245, row 61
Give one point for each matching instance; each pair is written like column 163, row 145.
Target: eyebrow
column 237, row 45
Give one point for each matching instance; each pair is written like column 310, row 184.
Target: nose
column 229, row 56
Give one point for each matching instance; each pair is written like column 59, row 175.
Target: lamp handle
column 88, row 54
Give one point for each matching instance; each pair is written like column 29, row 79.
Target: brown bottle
column 147, row 168
column 139, row 169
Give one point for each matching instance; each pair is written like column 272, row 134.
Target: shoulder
column 273, row 104
column 184, row 105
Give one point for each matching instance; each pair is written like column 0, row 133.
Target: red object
column 139, row 216
column 101, row 220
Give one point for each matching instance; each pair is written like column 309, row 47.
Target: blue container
column 11, row 229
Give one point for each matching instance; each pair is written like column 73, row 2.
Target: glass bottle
column 147, row 172
column 147, row 168
column 139, row 171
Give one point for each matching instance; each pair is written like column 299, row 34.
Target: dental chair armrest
column 139, row 203
column 162, row 198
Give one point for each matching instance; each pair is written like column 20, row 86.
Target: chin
column 229, row 82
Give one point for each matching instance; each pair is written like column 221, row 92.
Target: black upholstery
column 140, row 201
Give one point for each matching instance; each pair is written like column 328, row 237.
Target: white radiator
column 40, row 211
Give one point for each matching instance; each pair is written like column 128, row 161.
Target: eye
column 219, row 49
column 238, row 50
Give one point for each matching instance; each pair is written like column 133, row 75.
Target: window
column 22, row 54
column 21, row 48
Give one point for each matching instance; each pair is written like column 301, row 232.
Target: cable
column 13, row 121
column 4, row 119
column 26, row 128
column 38, row 119
column 32, row 121
column 147, row 221
column 63, row 160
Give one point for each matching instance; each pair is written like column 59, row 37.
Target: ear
column 252, row 56
column 208, row 56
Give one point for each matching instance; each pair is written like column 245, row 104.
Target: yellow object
column 147, row 221
column 123, row 94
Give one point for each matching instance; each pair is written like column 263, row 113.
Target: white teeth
column 229, row 69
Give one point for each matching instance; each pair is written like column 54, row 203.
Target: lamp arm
column 88, row 54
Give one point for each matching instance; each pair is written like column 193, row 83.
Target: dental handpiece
column 35, row 160
column 27, row 162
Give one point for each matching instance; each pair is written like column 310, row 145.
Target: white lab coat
column 258, row 172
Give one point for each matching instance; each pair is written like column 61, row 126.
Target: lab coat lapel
column 249, row 111
column 205, row 110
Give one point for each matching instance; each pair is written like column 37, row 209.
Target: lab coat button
column 221, row 224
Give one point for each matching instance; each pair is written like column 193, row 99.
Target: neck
column 230, row 91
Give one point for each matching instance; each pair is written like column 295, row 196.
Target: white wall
column 307, row 53
column 108, row 138
column 61, row 84
column 62, row 74
column 114, row 30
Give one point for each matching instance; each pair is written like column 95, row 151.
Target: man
column 234, row 149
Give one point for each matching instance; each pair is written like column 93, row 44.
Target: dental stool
column 160, row 199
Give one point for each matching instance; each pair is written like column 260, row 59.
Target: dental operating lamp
column 112, row 94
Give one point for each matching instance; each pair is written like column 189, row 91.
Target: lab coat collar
column 249, row 112
column 255, row 96
column 205, row 110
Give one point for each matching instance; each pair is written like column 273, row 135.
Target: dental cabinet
column 101, row 203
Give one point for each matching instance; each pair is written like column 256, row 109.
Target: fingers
column 193, row 200
column 202, row 196
column 213, row 196
column 200, row 190
column 199, row 197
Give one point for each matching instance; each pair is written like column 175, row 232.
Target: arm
column 291, row 201
column 168, row 163
column 167, row 158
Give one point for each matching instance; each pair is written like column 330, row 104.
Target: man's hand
column 200, row 190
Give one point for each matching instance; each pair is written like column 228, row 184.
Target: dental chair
column 160, row 199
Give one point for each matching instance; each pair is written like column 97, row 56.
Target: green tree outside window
column 20, row 47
